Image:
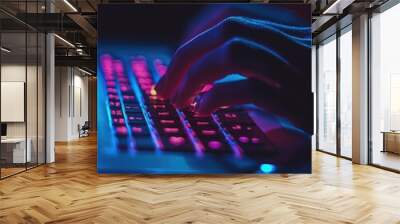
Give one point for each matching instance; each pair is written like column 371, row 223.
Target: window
column 346, row 92
column 327, row 95
column 385, row 89
column 22, row 77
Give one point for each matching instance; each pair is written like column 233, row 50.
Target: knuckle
column 235, row 48
column 231, row 25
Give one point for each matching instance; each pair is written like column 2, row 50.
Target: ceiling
column 76, row 22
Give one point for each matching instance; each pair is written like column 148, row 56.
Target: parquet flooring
column 70, row 191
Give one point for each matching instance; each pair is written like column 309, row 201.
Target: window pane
column 346, row 94
column 385, row 84
column 327, row 96
column 14, row 153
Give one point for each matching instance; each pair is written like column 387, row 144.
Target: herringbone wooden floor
column 70, row 191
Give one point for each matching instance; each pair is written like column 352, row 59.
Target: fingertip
column 203, row 106
column 159, row 87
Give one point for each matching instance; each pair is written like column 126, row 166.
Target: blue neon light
column 267, row 168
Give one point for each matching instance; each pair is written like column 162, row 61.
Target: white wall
column 71, row 102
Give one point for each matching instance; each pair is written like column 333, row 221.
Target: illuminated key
column 171, row 130
column 176, row 140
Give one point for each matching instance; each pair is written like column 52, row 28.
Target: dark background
column 167, row 24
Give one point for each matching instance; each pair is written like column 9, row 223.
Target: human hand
column 274, row 57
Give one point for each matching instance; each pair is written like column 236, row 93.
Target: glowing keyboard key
column 119, row 68
column 122, row 131
column 244, row 139
column 145, row 81
column 111, row 90
column 135, row 118
column 176, row 140
column 230, row 115
column 237, row 127
column 167, row 121
column 110, row 84
column 119, row 121
column 255, row 140
column 137, row 130
column 128, row 97
column 171, row 130
column 214, row 145
column 163, row 114
column 208, row 132
column 159, row 106
column 202, row 123
column 116, row 112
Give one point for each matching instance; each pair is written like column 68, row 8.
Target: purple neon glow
column 137, row 130
column 214, row 145
column 119, row 121
column 176, row 140
column 106, row 62
column 237, row 127
column 128, row 97
column 171, row 130
column 167, row 121
column 201, row 123
column 244, row 139
column 255, row 140
column 208, row 132
column 161, row 68
column 122, row 130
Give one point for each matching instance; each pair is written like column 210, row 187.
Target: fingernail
column 197, row 101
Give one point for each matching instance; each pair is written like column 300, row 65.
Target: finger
column 292, row 106
column 255, row 30
column 226, row 94
column 288, row 17
column 236, row 56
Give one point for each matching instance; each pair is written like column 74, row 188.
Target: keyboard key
column 140, row 130
column 244, row 139
column 132, row 109
column 164, row 115
column 176, row 140
column 238, row 117
column 171, row 130
column 118, row 121
column 177, row 143
column 202, row 123
column 209, row 132
column 216, row 146
column 136, row 119
column 167, row 122
column 121, row 131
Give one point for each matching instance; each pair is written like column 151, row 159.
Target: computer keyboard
column 141, row 121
